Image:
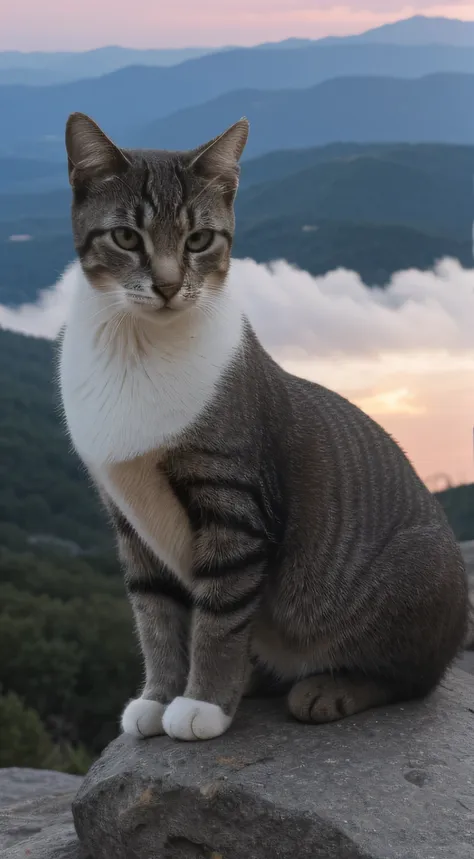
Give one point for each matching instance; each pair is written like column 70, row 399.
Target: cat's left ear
column 220, row 156
column 90, row 153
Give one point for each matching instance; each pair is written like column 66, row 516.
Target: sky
column 404, row 354
column 46, row 25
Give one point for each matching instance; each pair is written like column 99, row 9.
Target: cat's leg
column 219, row 657
column 403, row 627
column 230, row 561
column 161, row 608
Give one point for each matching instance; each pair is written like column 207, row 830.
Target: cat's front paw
column 188, row 719
column 143, row 718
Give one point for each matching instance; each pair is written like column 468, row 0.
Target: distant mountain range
column 41, row 68
column 418, row 30
column 356, row 109
column 427, row 188
column 130, row 99
column 375, row 209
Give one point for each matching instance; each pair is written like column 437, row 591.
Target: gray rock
column 20, row 783
column 40, row 829
column 396, row 783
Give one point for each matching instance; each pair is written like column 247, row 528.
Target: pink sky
column 46, row 25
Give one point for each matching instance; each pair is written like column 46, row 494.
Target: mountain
column 42, row 68
column 359, row 109
column 28, row 267
column 458, row 161
column 43, row 487
column 33, row 118
column 24, row 175
column 371, row 208
column 33, row 208
column 374, row 251
column 418, row 30
column 388, row 185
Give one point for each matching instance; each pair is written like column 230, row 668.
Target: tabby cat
column 271, row 533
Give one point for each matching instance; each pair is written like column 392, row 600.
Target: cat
column 270, row 531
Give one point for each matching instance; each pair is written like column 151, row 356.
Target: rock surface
column 36, row 819
column 20, row 783
column 388, row 784
column 40, row 829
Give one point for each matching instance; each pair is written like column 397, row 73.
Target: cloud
column 46, row 317
column 300, row 317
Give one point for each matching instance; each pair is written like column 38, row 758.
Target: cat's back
column 351, row 468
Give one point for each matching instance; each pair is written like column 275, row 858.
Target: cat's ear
column 90, row 153
column 220, row 156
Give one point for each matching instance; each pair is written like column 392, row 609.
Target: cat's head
column 153, row 228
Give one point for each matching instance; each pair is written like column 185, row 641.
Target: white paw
column 188, row 719
column 143, row 718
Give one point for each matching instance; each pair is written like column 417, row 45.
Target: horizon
column 251, row 23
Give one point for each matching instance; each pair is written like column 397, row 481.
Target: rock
column 40, row 827
column 394, row 783
column 18, row 783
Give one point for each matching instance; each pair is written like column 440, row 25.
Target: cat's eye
column 199, row 241
column 126, row 239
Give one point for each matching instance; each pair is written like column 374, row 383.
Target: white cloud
column 298, row 316
column 45, row 318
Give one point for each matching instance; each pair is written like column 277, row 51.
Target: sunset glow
column 425, row 401
column 29, row 25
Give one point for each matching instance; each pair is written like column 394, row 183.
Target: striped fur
column 273, row 533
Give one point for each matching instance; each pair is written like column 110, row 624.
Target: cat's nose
column 166, row 277
column 166, row 290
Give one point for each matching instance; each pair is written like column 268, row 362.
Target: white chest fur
column 130, row 385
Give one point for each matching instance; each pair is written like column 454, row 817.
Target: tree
column 24, row 740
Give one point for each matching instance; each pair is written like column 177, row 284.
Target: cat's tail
column 469, row 639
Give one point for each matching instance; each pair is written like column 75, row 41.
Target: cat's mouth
column 146, row 307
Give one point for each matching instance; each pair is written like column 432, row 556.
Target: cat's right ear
column 90, row 153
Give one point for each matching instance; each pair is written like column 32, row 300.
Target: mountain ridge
column 34, row 117
column 433, row 108
column 416, row 30
column 39, row 68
